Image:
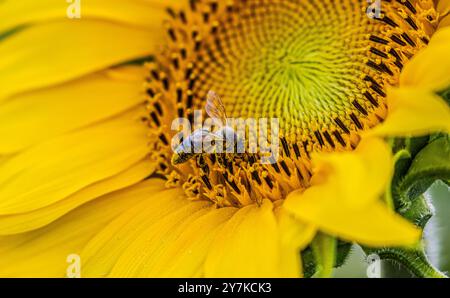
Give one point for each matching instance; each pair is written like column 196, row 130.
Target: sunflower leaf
column 430, row 164
column 310, row 264
column 405, row 150
column 418, row 164
column 419, row 212
column 343, row 252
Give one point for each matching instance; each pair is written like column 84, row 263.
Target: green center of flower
column 281, row 60
column 320, row 67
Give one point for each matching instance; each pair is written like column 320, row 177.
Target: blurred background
column 437, row 234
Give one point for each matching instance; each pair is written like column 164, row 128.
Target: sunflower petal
column 43, row 253
column 72, row 49
column 102, row 252
column 55, row 169
column 375, row 225
column 24, row 222
column 247, row 246
column 370, row 162
column 135, row 12
column 413, row 112
column 295, row 235
column 443, row 7
column 140, row 258
column 39, row 115
column 186, row 255
column 326, row 203
column 430, row 68
column 444, row 22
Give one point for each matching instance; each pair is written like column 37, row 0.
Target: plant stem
column 324, row 248
column 413, row 260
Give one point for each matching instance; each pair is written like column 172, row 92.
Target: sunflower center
column 320, row 66
column 302, row 62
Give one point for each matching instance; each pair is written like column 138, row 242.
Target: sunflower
column 86, row 107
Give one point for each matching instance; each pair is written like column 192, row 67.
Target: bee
column 215, row 110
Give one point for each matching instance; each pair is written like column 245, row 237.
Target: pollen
column 320, row 66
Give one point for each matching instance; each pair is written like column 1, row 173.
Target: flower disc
column 320, row 67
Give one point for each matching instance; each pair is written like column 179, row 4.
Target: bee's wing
column 215, row 107
column 200, row 135
column 197, row 136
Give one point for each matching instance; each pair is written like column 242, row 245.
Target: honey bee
column 215, row 110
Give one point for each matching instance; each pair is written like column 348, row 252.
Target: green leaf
column 309, row 260
column 343, row 251
column 402, row 161
column 430, row 164
column 405, row 150
column 419, row 211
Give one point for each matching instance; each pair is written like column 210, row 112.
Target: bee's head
column 177, row 159
column 180, row 157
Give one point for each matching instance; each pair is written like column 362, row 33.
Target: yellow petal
column 444, row 22
column 375, row 225
column 440, row 38
column 379, row 164
column 186, row 256
column 295, row 236
column 24, row 222
column 247, row 246
column 55, row 169
column 430, row 68
column 135, row 12
column 413, row 112
column 43, row 253
column 117, row 239
column 443, row 7
column 140, row 257
column 56, row 52
column 102, row 252
column 35, row 116
column 326, row 203
column 368, row 169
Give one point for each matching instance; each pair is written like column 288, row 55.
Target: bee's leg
column 201, row 162
column 221, row 160
column 230, row 162
column 225, row 162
